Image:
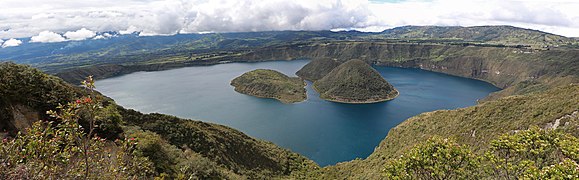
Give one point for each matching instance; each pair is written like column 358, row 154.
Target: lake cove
column 326, row 132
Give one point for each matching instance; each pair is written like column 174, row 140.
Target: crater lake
column 323, row 131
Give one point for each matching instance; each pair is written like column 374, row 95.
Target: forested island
column 353, row 81
column 267, row 83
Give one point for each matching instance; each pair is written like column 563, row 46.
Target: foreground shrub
column 63, row 149
column 529, row 154
column 533, row 153
column 436, row 159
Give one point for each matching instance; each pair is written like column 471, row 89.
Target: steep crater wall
column 501, row 66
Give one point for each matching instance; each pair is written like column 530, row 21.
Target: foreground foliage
column 528, row 154
column 436, row 159
column 62, row 149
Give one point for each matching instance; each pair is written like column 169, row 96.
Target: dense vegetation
column 222, row 145
column 355, row 82
column 268, row 83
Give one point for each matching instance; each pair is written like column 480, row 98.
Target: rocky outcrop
column 355, row 82
column 267, row 83
column 17, row 118
column 23, row 116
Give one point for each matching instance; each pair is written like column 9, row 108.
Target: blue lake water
column 325, row 132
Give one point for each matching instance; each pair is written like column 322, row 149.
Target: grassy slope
column 271, row 84
column 474, row 126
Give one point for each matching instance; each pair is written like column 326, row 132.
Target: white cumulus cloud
column 47, row 36
column 80, row 34
column 555, row 16
column 11, row 42
column 25, row 18
column 99, row 37
column 103, row 36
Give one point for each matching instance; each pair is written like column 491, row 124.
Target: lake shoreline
column 204, row 93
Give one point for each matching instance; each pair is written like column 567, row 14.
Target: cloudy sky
column 65, row 20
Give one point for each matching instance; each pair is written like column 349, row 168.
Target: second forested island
column 353, row 81
column 267, row 83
